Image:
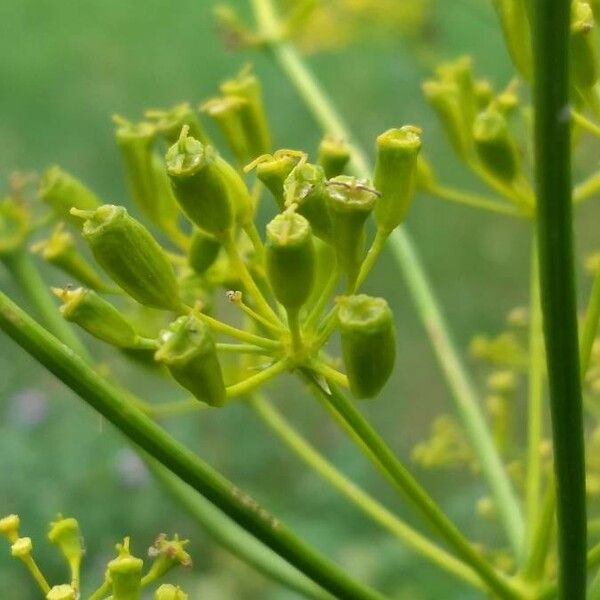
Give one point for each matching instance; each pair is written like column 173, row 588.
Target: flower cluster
column 124, row 578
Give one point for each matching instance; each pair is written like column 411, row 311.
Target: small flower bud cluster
column 124, row 578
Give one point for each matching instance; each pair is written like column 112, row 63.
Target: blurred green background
column 65, row 67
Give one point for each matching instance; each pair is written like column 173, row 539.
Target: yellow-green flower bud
column 305, row 187
column 146, row 173
column 125, row 573
column 62, row 192
column 170, row 122
column 21, row 547
column 584, row 62
column 167, row 554
column 350, row 202
column 334, row 155
column 252, row 113
column 65, row 534
column 208, row 189
column 14, row 226
column 97, row 316
column 129, row 254
column 368, row 343
column 273, row 169
column 203, row 251
column 226, row 113
column 61, row 251
column 395, row 174
column 170, row 592
column 495, row 146
column 290, row 256
column 62, row 592
column 444, row 98
column 9, row 527
column 189, row 353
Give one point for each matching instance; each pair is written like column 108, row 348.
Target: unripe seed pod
column 203, row 251
column 169, row 123
column 189, row 353
column 125, row 572
column 368, row 343
column 14, row 226
column 350, row 202
column 334, row 155
column 444, row 98
column 129, row 254
column 60, row 251
column 460, row 72
column 517, row 33
column 144, row 171
column 169, row 592
column 290, row 256
column 273, row 170
column 208, row 189
column 62, row 192
column 252, row 113
column 395, row 174
column 584, row 63
column 306, row 188
column 96, row 316
column 495, row 146
column 226, row 113
column 61, row 592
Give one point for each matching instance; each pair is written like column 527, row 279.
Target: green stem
column 140, row 429
column 410, row 488
column 535, row 399
column 293, row 317
column 239, row 334
column 249, row 385
column 587, row 188
column 372, row 255
column 245, row 276
column 473, row 200
column 405, row 254
column 25, row 273
column 551, row 19
column 233, row 538
column 590, row 325
column 584, row 122
column 241, row 348
column 328, row 372
column 277, row 423
column 313, row 317
column 541, row 538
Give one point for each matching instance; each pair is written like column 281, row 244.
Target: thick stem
column 551, row 19
column 404, row 252
column 140, row 429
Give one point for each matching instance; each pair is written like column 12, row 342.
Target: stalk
column 457, row 378
column 114, row 405
column 550, row 26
